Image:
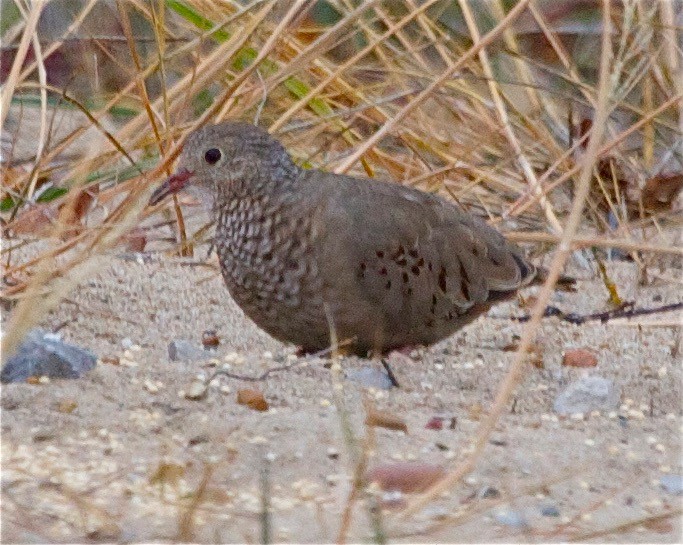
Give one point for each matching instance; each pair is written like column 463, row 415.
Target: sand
column 122, row 454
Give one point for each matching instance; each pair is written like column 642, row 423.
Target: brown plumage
column 394, row 266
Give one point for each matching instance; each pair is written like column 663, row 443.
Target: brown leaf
column 435, row 423
column 579, row 357
column 67, row 406
column 385, row 419
column 167, row 473
column 406, row 477
column 252, row 399
column 111, row 360
column 660, row 191
column 210, row 339
column 37, row 220
column 135, row 241
column 659, row 525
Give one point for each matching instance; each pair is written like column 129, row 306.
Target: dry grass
column 483, row 109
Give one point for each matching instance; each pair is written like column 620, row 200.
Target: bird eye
column 213, row 156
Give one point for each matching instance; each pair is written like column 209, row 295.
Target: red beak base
column 172, row 185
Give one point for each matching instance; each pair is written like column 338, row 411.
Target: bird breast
column 263, row 254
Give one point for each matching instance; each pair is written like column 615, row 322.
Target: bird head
column 230, row 158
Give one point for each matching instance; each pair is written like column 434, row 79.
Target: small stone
column 150, row 386
column 510, row 518
column 43, row 355
column 182, row 350
column 579, row 357
column 369, row 377
column 673, row 484
column 210, row 340
column 550, row 511
column 489, row 492
column 127, row 343
column 586, row 394
column 196, row 391
column 435, row 423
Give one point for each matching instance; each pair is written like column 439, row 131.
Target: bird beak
column 172, row 185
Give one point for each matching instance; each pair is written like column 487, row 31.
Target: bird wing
column 419, row 260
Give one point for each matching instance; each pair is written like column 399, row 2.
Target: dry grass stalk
column 561, row 255
column 505, row 158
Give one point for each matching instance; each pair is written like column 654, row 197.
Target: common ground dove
column 301, row 251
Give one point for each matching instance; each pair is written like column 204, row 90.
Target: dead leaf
column 111, row 360
column 210, row 339
column 659, row 525
column 435, row 423
column 38, row 220
column 167, row 473
column 406, row 477
column 252, row 399
column 579, row 357
column 135, row 241
column 67, row 406
column 660, row 191
column 385, row 419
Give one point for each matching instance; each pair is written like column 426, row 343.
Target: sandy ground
column 123, row 455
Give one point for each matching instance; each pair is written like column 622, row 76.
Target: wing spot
column 380, row 254
column 388, row 285
column 420, row 262
column 413, row 253
column 429, row 266
column 463, row 273
column 405, row 277
column 383, row 271
column 464, row 287
column 442, row 280
column 398, row 253
column 415, row 270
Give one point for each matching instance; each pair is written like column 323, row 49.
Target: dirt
column 122, row 454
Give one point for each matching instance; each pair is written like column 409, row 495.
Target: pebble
column 489, row 492
column 550, row 511
column 182, row 350
column 42, row 354
column 369, row 377
column 196, row 391
column 673, row 484
column 511, row 518
column 586, row 394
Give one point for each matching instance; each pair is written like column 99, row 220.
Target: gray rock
column 44, row 354
column 508, row 517
column 550, row 511
column 673, row 484
column 588, row 393
column 369, row 377
column 182, row 350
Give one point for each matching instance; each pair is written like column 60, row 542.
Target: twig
column 626, row 310
column 266, row 373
